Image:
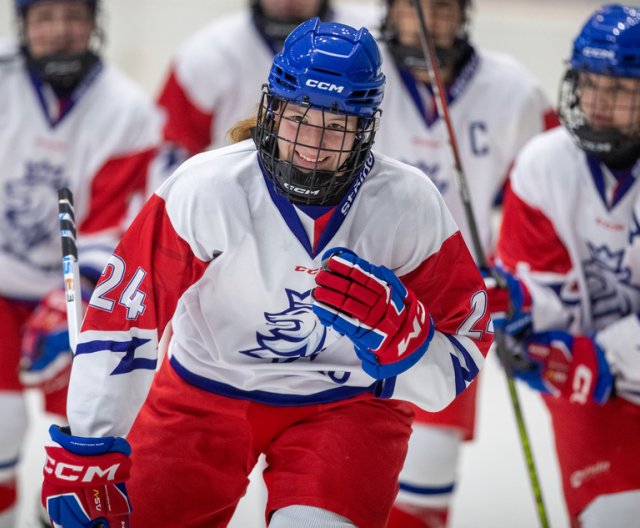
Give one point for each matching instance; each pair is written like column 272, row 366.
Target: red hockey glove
column 509, row 301
column 46, row 354
column 388, row 325
column 567, row 366
column 84, row 481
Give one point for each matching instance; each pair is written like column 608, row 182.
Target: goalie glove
column 388, row 325
column 84, row 481
column 566, row 366
column 45, row 360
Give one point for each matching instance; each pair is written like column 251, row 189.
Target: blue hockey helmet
column 333, row 68
column 609, row 43
column 329, row 65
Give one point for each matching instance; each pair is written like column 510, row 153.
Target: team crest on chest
column 292, row 334
column 30, row 211
column 609, row 282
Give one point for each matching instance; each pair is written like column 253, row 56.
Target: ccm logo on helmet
column 598, row 53
column 321, row 85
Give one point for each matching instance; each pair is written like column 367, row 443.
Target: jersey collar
column 340, row 212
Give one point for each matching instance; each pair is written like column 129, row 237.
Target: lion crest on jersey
column 30, row 213
column 610, row 284
column 294, row 333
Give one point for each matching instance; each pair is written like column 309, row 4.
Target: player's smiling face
column 314, row 139
column 611, row 102
column 58, row 27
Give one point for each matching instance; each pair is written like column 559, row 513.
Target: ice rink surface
column 494, row 490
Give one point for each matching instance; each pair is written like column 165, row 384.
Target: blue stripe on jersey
column 463, row 376
column 39, row 86
column 129, row 362
column 10, row 464
column 427, row 490
column 268, row 398
column 463, row 79
column 625, row 179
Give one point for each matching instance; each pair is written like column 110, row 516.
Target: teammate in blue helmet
column 570, row 235
column 285, row 339
column 600, row 94
column 495, row 107
column 58, row 40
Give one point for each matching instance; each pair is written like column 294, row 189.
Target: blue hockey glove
column 388, row 325
column 84, row 481
column 566, row 366
column 46, row 355
column 509, row 301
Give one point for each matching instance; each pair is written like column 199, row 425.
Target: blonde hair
column 242, row 129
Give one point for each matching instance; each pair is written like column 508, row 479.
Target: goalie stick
column 70, row 266
column 428, row 50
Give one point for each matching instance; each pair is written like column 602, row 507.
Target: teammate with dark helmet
column 68, row 119
column 213, row 79
column 449, row 26
column 277, row 18
column 62, row 62
column 600, row 94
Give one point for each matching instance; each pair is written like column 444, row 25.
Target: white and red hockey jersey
column 231, row 262
column 495, row 106
column 567, row 226
column 99, row 142
column 216, row 78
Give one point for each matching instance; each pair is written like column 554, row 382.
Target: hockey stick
column 428, row 50
column 70, row 266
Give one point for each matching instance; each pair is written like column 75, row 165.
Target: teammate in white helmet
column 213, row 79
column 308, row 283
column 570, row 234
column 68, row 120
column 495, row 106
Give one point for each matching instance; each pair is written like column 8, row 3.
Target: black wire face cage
column 412, row 56
column 64, row 71
column 616, row 146
column 312, row 155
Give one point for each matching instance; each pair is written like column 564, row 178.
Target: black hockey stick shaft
column 437, row 86
column 70, row 267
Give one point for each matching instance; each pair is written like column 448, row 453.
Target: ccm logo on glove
column 73, row 472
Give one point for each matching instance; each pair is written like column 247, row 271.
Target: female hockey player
column 201, row 105
column 310, row 291
column 495, row 106
column 68, row 120
column 570, row 234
